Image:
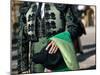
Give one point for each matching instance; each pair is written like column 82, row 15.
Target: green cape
column 64, row 43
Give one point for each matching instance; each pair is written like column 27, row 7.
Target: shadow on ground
column 84, row 56
column 89, row 50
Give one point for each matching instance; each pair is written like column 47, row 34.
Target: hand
column 52, row 47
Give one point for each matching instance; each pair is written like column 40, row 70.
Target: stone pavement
column 88, row 41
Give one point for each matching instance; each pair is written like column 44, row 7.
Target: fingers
column 53, row 48
column 49, row 45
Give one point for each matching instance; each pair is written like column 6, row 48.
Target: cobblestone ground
column 88, row 59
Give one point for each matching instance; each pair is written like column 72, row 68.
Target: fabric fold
column 65, row 45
